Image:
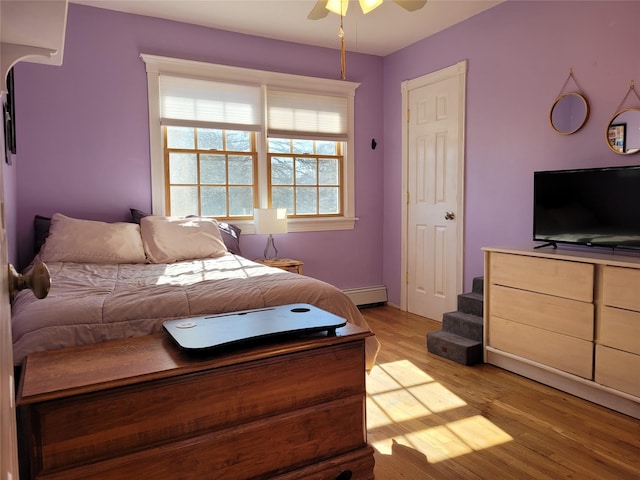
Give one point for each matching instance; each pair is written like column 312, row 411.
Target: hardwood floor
column 431, row 418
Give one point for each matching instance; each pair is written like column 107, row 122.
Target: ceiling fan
column 323, row 7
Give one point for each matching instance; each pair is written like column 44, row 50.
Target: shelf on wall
column 33, row 32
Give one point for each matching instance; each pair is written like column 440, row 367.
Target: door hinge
column 406, row 279
column 408, row 197
column 408, row 115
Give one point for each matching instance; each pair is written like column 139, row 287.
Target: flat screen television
column 597, row 207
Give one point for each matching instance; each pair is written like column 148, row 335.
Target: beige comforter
column 90, row 303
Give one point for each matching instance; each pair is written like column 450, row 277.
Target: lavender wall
column 519, row 55
column 84, row 142
column 83, row 135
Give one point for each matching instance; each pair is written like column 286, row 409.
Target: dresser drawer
column 619, row 329
column 560, row 278
column 555, row 314
column 621, row 286
column 618, row 369
column 562, row 352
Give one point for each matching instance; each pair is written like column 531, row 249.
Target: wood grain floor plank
column 431, row 418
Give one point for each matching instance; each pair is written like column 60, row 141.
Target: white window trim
column 157, row 65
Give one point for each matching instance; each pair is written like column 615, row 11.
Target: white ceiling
column 385, row 30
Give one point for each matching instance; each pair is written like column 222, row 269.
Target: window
column 211, row 172
column 304, row 176
column 224, row 140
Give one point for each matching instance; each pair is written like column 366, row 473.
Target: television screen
column 596, row 207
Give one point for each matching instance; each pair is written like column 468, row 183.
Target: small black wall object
column 373, row 144
column 9, row 115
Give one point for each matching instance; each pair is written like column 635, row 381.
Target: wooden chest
column 142, row 408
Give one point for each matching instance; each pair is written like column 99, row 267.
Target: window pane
column 213, row 169
column 240, row 170
column 328, row 171
column 282, row 197
column 309, row 184
column 238, row 141
column 240, row 201
column 217, row 182
column 306, row 200
column 329, row 200
column 303, row 146
column 183, row 168
column 214, row 201
column 306, row 171
column 209, row 139
column 180, row 137
column 326, row 148
column 279, row 145
column 281, row 171
column 184, row 201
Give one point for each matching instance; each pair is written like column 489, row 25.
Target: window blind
column 309, row 116
column 190, row 102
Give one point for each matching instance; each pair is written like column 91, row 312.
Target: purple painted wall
column 83, row 135
column 84, row 141
column 519, row 55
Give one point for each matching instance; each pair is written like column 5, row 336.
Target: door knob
column 449, row 216
column 38, row 281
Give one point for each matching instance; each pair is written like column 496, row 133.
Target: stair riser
column 464, row 355
column 470, row 304
column 478, row 285
column 462, row 326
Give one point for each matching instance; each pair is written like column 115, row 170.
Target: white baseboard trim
column 367, row 295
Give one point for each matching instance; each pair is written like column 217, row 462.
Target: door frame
column 457, row 70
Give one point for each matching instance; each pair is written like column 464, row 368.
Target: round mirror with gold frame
column 569, row 113
column 623, row 132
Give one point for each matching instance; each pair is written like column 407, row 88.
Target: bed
column 288, row 410
column 119, row 280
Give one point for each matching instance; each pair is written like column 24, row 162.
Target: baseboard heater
column 367, row 295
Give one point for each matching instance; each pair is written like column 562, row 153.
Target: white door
column 8, row 440
column 434, row 174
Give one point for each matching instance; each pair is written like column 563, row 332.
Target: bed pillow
column 230, row 233
column 137, row 215
column 230, row 236
column 41, row 227
column 90, row 241
column 172, row 239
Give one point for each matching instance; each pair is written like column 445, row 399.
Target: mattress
column 91, row 303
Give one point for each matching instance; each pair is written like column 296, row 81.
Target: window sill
column 305, row 224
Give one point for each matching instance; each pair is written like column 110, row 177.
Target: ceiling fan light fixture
column 338, row 6
column 368, row 5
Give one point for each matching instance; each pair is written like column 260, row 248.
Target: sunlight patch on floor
column 401, row 393
column 401, row 373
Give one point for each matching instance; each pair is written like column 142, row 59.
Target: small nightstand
column 287, row 264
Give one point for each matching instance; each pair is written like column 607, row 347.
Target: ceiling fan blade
column 411, row 5
column 319, row 10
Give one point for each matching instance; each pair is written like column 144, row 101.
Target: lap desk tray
column 226, row 329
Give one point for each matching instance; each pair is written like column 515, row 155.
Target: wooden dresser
column 141, row 408
column 566, row 318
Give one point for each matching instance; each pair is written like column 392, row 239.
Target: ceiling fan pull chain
column 343, row 63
